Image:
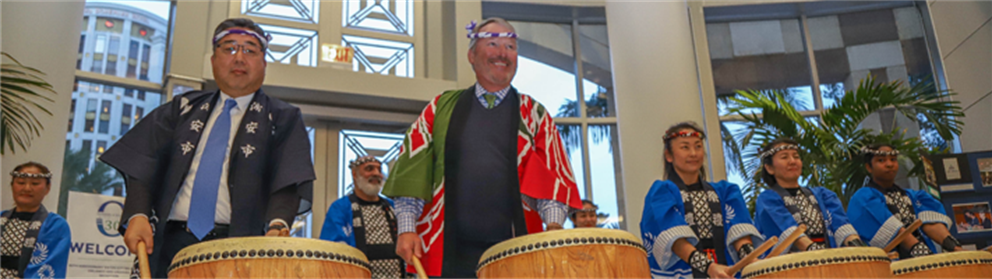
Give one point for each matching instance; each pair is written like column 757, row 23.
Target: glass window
column 384, row 16
column 760, row 55
column 546, row 66
column 113, row 25
column 98, row 52
column 381, row 56
column 87, row 145
column 79, row 59
column 101, row 146
column 112, row 49
column 139, row 112
column 128, row 92
column 354, row 144
column 132, row 59
column 597, row 85
column 604, row 139
column 90, row 115
column 105, row 117
column 571, row 137
column 125, row 118
column 298, row 10
column 146, row 51
column 72, row 113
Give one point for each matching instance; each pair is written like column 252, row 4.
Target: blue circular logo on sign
column 109, row 217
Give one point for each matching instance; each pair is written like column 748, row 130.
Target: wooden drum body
column 851, row 262
column 573, row 253
column 964, row 264
column 269, row 257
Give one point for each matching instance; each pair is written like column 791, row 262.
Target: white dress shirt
column 222, row 215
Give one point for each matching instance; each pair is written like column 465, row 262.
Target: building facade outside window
column 119, row 39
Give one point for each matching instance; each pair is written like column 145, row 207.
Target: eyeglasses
column 232, row 49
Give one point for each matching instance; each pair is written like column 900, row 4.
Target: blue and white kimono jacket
column 663, row 222
column 45, row 253
column 773, row 217
column 338, row 223
column 875, row 221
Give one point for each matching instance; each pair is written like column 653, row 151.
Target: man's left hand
column 554, row 226
column 277, row 232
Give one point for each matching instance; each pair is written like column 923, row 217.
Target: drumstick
column 899, row 237
column 420, row 268
column 988, row 249
column 143, row 268
column 788, row 241
column 752, row 256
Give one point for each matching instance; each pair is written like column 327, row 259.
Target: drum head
column 262, row 247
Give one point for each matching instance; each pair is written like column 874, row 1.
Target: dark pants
column 463, row 262
column 178, row 237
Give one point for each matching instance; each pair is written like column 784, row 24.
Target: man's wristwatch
column 950, row 243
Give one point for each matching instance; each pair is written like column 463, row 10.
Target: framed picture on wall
column 972, row 217
column 981, row 170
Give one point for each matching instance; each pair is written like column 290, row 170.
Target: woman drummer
column 787, row 205
column 694, row 228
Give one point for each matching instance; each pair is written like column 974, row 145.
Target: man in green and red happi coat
column 479, row 166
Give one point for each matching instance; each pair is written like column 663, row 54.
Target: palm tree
column 596, row 106
column 18, row 125
column 830, row 151
column 78, row 176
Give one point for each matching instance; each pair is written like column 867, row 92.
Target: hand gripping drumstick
column 143, row 268
column 902, row 235
column 420, row 268
column 753, row 255
column 788, row 241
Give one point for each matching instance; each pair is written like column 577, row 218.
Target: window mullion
column 813, row 71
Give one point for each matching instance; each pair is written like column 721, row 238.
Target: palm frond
column 830, row 152
column 20, row 87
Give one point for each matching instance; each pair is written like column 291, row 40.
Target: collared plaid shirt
column 481, row 92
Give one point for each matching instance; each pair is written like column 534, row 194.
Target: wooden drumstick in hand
column 143, row 268
column 902, row 235
column 788, row 241
column 420, row 268
column 753, row 256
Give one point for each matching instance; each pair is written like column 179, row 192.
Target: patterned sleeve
column 663, row 222
column 929, row 210
column 737, row 219
column 774, row 217
column 408, row 209
column 871, row 217
column 50, row 258
column 337, row 223
column 837, row 222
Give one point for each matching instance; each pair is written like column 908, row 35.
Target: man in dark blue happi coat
column 215, row 164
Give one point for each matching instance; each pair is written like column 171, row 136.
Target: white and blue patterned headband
column 771, row 152
column 362, row 160
column 865, row 150
column 17, row 174
column 262, row 39
column 480, row 35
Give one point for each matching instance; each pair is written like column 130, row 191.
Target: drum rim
column 571, row 237
column 815, row 258
column 941, row 260
column 302, row 248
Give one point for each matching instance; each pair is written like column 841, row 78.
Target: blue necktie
column 203, row 202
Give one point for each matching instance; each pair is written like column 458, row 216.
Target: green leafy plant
column 18, row 124
column 831, row 147
column 77, row 175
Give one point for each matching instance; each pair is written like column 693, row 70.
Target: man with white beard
column 365, row 220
